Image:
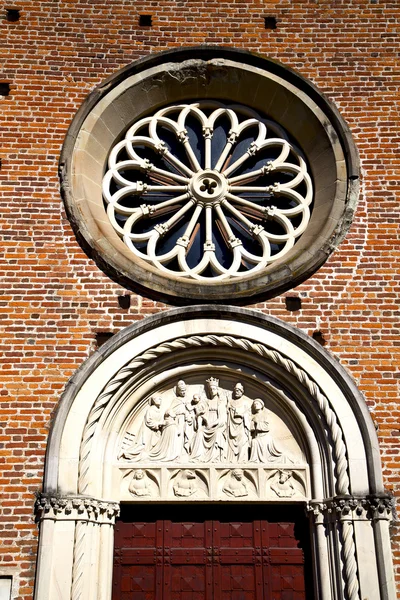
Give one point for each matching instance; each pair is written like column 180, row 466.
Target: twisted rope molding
column 349, row 561
column 78, row 559
column 346, row 510
column 339, row 447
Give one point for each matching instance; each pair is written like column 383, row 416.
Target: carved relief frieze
column 193, row 483
column 286, row 483
column 144, row 483
column 214, row 483
column 208, row 439
column 206, row 424
column 240, row 483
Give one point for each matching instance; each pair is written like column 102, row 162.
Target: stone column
column 359, row 527
column 320, row 549
column 76, row 540
column 380, row 511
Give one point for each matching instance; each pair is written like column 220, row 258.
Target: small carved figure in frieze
column 236, row 484
column 239, row 437
column 149, row 432
column 263, row 448
column 139, row 485
column 169, row 446
column 186, row 483
column 283, row 484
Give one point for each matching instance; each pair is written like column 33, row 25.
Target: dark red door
column 211, row 553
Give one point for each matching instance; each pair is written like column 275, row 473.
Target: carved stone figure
column 236, row 484
column 189, row 431
column 178, row 407
column 214, row 432
column 186, row 483
column 139, row 484
column 169, row 446
column 283, row 485
column 213, row 426
column 263, row 448
column 238, row 426
column 200, row 408
column 149, row 432
column 180, row 390
column 190, row 425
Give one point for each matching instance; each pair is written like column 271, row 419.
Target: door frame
column 260, row 553
column 349, row 510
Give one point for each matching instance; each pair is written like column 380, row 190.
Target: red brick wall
column 54, row 299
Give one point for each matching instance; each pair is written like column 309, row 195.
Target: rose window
column 208, row 191
column 208, row 175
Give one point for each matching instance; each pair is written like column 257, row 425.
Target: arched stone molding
column 304, row 385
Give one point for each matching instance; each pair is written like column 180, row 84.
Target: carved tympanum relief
column 227, row 444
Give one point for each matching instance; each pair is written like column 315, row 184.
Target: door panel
column 237, row 572
column 190, row 556
column 186, row 571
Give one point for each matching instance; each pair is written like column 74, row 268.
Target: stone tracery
column 218, row 204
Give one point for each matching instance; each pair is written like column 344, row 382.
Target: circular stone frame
column 219, row 74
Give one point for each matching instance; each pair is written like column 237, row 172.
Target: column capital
column 372, row 507
column 75, row 508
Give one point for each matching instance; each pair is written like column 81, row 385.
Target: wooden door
column 211, row 553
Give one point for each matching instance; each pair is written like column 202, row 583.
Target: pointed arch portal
column 127, row 431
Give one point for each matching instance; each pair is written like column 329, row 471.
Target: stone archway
column 330, row 451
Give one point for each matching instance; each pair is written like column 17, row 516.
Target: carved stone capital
column 352, row 508
column 317, row 511
column 75, row 508
column 380, row 507
column 347, row 508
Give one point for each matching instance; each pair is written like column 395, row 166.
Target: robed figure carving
column 239, row 437
column 263, row 448
column 139, row 485
column 149, row 432
column 210, row 441
column 169, row 446
column 178, row 408
column 212, row 426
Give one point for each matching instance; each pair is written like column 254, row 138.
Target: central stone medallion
column 208, row 186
